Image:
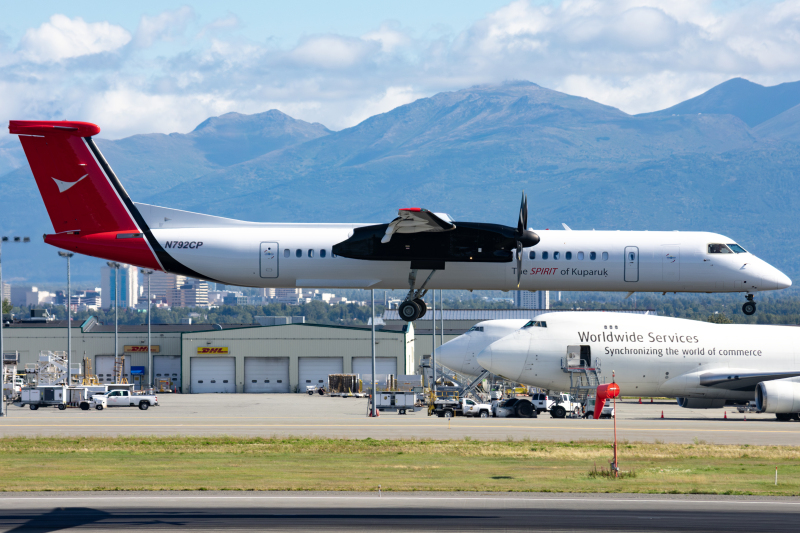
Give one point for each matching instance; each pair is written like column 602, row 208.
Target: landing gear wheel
column 783, row 417
column 409, row 310
column 423, row 307
column 558, row 412
column 749, row 308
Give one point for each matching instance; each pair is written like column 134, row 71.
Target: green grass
column 228, row 463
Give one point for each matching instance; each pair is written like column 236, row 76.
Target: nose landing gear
column 414, row 307
column 749, row 307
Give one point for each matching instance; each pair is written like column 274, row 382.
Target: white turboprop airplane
column 93, row 215
column 703, row 365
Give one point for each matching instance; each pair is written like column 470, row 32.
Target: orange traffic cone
column 640, row 400
column 745, row 418
column 662, row 414
column 726, row 416
column 651, row 400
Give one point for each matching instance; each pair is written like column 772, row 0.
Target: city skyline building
column 128, row 286
column 532, row 299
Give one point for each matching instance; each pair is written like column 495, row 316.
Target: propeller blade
column 523, row 215
column 519, row 262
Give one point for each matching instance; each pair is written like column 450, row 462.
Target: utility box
column 44, row 396
column 396, row 401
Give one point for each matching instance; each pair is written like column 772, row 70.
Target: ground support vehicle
column 402, row 402
column 44, row 396
column 515, row 408
column 749, row 407
column 564, row 404
column 123, row 398
column 450, row 407
column 607, row 412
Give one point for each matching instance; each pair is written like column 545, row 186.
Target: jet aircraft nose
column 453, row 353
column 505, row 357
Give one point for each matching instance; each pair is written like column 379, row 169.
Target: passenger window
column 544, row 255
column 287, row 252
column 605, row 256
column 298, row 253
column 311, row 253
column 580, row 256
column 556, row 256
column 568, row 256
column 718, row 249
column 592, row 255
column 531, row 255
column 322, row 253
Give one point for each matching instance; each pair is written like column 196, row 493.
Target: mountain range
column 725, row 161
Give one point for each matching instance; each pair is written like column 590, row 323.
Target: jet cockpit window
column 718, row 249
column 475, row 328
column 535, row 324
column 445, row 217
column 737, row 249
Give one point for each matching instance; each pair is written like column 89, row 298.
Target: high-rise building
column 532, row 299
column 288, row 296
column 194, row 293
column 128, row 286
column 6, row 292
column 162, row 284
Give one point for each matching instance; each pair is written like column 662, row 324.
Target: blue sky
column 148, row 66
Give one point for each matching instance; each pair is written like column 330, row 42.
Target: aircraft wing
column 416, row 220
column 747, row 380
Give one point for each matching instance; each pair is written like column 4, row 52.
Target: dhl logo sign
column 202, row 350
column 137, row 348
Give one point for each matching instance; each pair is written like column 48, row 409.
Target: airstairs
column 583, row 377
column 51, row 368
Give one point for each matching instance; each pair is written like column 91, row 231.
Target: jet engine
column 778, row 397
column 700, row 403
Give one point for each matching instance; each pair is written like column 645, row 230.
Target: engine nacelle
column 778, row 397
column 700, row 403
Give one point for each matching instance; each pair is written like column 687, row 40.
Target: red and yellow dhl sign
column 203, row 350
column 138, row 348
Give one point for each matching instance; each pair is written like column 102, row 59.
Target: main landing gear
column 413, row 307
column 749, row 307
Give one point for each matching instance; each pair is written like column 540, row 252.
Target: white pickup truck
column 448, row 408
column 123, row 398
column 558, row 404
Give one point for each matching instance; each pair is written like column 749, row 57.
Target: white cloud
column 165, row 26
column 63, row 37
column 637, row 55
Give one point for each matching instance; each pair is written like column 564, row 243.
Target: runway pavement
column 399, row 512
column 302, row 415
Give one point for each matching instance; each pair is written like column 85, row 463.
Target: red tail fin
column 87, row 204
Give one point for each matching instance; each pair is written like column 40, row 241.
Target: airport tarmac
column 455, row 511
column 269, row 415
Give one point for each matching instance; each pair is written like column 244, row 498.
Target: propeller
column 525, row 237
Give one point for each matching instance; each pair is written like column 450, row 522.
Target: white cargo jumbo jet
column 703, row 365
column 92, row 214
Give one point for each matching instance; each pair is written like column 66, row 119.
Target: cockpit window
column 475, row 328
column 535, row 324
column 718, row 249
column 736, row 248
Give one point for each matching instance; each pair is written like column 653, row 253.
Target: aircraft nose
column 775, row 279
column 453, row 353
column 504, row 358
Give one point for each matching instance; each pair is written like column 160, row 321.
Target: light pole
column 374, row 381
column 147, row 273
column 2, row 352
column 68, row 255
column 116, row 266
column 433, row 338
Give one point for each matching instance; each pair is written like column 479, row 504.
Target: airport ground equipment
column 81, row 395
column 450, row 407
column 43, row 396
column 51, row 368
column 124, row 398
column 515, row 408
column 343, row 384
column 402, row 402
column 12, row 383
column 589, row 406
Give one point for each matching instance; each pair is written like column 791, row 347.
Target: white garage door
column 213, row 374
column 315, row 370
column 266, row 374
column 383, row 365
column 167, row 367
column 104, row 368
